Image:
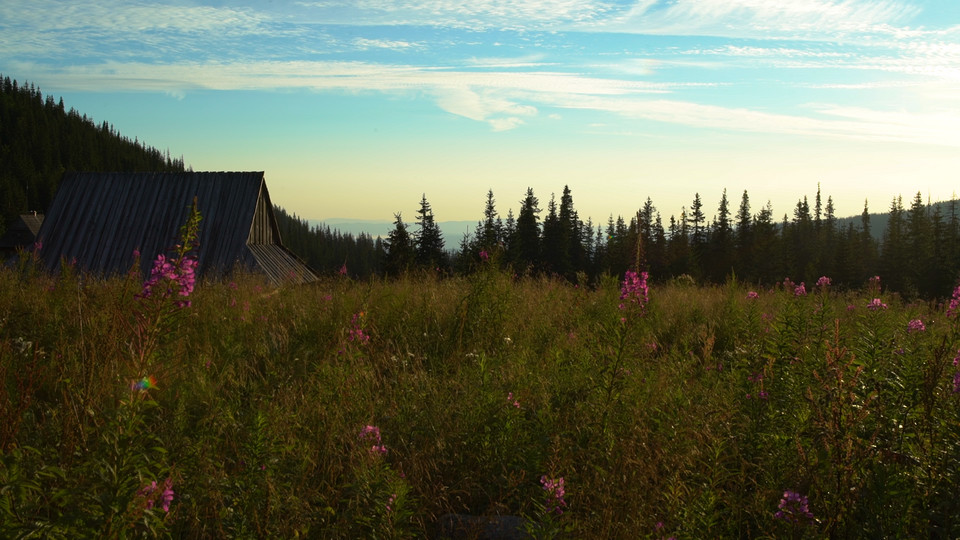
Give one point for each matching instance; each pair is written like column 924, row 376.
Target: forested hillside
column 40, row 139
column 328, row 250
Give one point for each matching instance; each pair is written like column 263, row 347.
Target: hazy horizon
column 359, row 108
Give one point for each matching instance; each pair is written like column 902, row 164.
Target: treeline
column 918, row 253
column 328, row 250
column 40, row 140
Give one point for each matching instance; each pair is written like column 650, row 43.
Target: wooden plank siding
column 99, row 219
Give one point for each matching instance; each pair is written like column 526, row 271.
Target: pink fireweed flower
column 956, row 383
column 800, row 290
column 635, row 290
column 171, row 277
column 390, row 501
column 916, row 325
column 484, row 255
column 794, row 508
column 753, row 294
column 512, row 401
column 876, row 304
column 954, row 308
column 356, row 332
column 555, row 493
column 824, row 281
column 153, row 494
column 167, row 496
column 372, row 434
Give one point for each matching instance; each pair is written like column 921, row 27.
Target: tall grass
column 693, row 419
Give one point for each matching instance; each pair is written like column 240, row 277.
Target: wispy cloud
column 506, row 99
column 474, row 14
column 814, row 19
column 393, row 44
column 834, row 121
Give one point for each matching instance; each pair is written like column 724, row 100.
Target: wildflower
column 390, row 501
column 484, row 255
column 372, row 434
column 167, row 496
column 555, row 493
column 794, row 508
column 634, row 289
column 800, row 290
column 150, row 493
column 956, row 383
column 343, row 269
column 916, row 325
column 147, row 491
column 824, row 281
column 954, row 308
column 511, row 399
column 356, row 331
column 876, row 304
column 752, row 294
column 956, row 359
column 177, row 276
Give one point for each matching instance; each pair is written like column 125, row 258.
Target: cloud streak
column 506, row 100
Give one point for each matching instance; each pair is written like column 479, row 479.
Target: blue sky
column 354, row 108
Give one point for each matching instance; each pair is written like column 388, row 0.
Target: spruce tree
column 525, row 245
column 399, row 248
column 428, row 240
column 743, row 239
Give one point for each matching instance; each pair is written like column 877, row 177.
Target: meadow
column 369, row 409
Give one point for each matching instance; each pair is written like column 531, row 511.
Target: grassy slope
column 262, row 395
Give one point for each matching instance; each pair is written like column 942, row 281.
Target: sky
column 358, row 108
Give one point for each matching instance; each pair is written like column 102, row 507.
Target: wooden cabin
column 100, row 219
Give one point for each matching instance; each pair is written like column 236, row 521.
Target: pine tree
column 553, row 247
column 893, row 257
column 525, row 244
column 721, row 243
column 399, row 248
column 488, row 233
column 743, row 239
column 428, row 240
column 921, row 272
column 766, row 243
